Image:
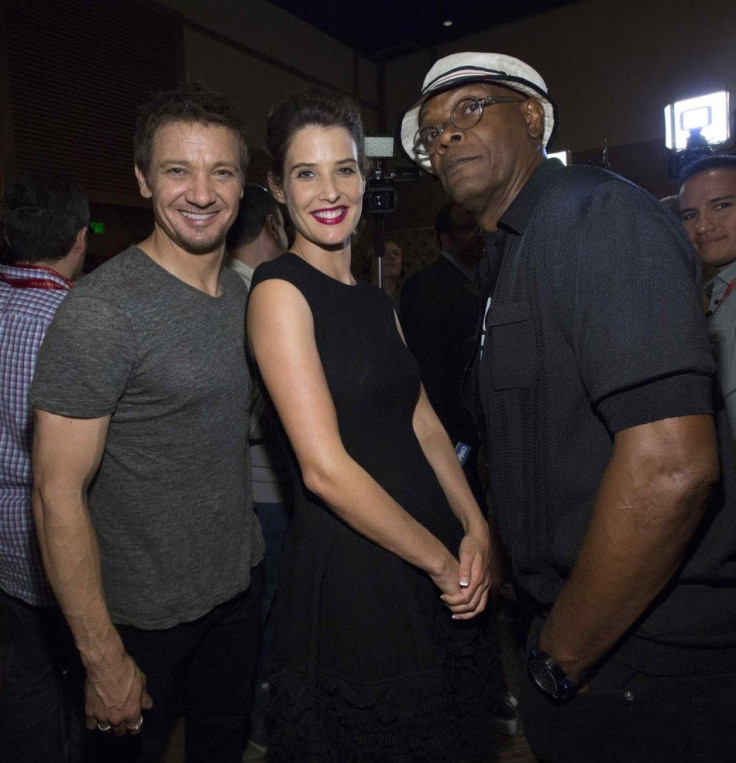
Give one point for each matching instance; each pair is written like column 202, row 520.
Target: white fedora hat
column 461, row 68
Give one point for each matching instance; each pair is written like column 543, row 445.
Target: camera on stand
column 380, row 198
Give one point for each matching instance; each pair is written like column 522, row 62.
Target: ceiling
column 385, row 29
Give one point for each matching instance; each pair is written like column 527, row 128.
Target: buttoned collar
column 517, row 216
column 727, row 274
column 464, row 269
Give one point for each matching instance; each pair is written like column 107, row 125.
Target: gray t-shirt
column 171, row 502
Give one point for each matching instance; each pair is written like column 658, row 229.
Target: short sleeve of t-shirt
column 627, row 292
column 86, row 358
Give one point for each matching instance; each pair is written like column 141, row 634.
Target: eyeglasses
column 466, row 113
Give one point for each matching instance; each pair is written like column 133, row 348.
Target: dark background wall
column 73, row 73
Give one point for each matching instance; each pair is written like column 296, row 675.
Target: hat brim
column 410, row 121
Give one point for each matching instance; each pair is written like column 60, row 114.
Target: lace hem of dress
column 440, row 715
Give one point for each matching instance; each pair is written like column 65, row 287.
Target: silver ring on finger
column 135, row 727
column 103, row 727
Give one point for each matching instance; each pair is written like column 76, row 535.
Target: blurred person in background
column 45, row 222
column 707, row 202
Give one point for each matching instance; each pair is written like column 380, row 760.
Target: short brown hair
column 190, row 102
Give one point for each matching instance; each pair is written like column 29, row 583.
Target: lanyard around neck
column 40, row 281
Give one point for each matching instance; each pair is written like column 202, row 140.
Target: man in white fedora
column 593, row 381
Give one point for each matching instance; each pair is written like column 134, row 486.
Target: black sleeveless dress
column 367, row 662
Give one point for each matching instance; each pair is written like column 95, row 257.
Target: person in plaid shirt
column 45, row 221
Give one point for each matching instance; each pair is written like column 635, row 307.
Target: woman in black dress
column 380, row 650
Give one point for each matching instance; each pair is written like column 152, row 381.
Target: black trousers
column 204, row 670
column 629, row 716
column 40, row 720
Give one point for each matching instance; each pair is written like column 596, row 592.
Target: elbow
column 313, row 480
column 38, row 503
column 41, row 502
column 53, row 495
column 702, row 477
column 322, row 479
column 698, row 470
column 691, row 484
column 674, row 461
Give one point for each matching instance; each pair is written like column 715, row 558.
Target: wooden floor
column 512, row 749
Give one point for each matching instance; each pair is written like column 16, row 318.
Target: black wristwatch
column 549, row 676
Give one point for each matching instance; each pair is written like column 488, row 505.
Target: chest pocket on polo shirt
column 512, row 346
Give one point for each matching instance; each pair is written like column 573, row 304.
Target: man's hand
column 115, row 695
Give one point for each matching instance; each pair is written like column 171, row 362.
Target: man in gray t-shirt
column 142, row 490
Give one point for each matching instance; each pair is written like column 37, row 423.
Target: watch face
column 542, row 676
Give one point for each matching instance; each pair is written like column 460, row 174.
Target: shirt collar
column 464, row 269
column 517, row 216
column 240, row 267
column 727, row 274
column 42, row 272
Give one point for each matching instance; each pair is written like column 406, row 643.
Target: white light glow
column 447, row 23
column 561, row 155
column 707, row 112
column 379, row 146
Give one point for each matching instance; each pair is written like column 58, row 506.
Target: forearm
column 642, row 522
column 441, row 455
column 475, row 551
column 72, row 560
column 365, row 506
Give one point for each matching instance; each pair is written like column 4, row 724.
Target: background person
column 707, row 201
column 439, row 314
column 393, row 272
column 257, row 236
column 45, row 221
column 439, row 317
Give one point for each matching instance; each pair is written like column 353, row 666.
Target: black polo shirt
column 595, row 326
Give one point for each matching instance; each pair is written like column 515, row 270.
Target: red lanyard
column 40, row 282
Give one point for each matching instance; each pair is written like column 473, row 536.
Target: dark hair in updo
column 312, row 106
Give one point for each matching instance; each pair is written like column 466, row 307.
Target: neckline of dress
column 322, row 273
